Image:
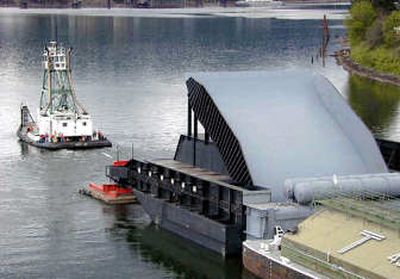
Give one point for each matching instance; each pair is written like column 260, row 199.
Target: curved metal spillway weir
column 271, row 126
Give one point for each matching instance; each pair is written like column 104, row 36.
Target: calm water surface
column 129, row 73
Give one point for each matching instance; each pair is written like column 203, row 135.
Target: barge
column 62, row 121
column 270, row 151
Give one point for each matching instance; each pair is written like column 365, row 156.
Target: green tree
column 374, row 35
column 391, row 30
column 362, row 16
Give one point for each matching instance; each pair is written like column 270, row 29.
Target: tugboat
column 62, row 121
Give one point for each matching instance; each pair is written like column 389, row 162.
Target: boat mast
column 49, row 79
column 69, row 72
column 60, row 95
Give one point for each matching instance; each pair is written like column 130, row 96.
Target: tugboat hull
column 63, row 145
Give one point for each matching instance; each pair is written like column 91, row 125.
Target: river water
column 129, row 73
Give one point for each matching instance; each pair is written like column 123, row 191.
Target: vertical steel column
column 195, row 127
column 22, row 116
column 189, row 121
column 206, row 137
column 195, row 134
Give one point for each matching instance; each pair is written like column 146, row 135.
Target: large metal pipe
column 305, row 190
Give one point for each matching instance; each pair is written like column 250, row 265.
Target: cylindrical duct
column 305, row 190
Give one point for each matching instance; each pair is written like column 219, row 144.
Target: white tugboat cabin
column 62, row 120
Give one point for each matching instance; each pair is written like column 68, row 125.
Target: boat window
column 65, row 124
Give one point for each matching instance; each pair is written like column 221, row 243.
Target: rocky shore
column 343, row 58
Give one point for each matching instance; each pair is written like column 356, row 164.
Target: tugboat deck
column 64, row 145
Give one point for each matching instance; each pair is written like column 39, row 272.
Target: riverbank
column 374, row 39
column 250, row 12
column 343, row 58
column 128, row 4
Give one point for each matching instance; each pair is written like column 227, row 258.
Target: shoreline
column 343, row 59
column 294, row 13
column 188, row 4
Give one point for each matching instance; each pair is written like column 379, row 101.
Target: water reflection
column 377, row 104
column 181, row 257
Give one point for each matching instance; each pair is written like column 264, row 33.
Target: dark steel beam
column 189, row 121
column 195, row 135
column 206, row 137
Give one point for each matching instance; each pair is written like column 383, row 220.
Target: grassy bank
column 374, row 35
column 381, row 59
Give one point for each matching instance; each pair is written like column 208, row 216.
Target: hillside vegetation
column 374, row 34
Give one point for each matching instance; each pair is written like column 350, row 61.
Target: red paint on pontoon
column 110, row 190
column 120, row 163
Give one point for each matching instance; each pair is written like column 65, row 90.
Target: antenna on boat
column 56, row 30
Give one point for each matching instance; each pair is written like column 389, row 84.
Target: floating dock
column 111, row 193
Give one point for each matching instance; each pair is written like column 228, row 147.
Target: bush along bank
column 374, row 34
